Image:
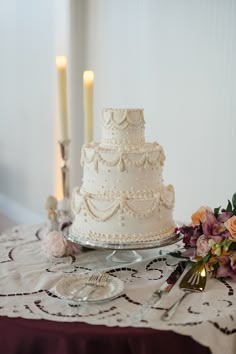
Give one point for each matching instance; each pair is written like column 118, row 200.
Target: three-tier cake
column 122, row 200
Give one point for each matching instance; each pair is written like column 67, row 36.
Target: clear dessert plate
column 68, row 288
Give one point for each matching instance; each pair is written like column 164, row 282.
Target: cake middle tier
column 123, row 218
column 122, row 169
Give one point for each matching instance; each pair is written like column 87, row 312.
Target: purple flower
column 208, row 224
column 216, row 239
column 225, row 271
column 227, row 267
column 214, row 228
column 191, row 234
column 189, row 252
column 233, row 261
column 224, row 216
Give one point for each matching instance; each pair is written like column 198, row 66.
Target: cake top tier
column 122, row 126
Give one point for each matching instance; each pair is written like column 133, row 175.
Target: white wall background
column 174, row 58
column 31, row 34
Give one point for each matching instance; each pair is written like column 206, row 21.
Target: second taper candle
column 88, row 80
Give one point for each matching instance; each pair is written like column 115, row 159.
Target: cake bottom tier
column 123, row 220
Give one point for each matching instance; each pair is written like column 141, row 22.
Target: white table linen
column 28, row 280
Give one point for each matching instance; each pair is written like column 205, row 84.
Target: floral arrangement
column 212, row 238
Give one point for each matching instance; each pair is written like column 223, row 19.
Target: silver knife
column 157, row 294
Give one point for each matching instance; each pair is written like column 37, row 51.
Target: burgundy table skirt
column 21, row 336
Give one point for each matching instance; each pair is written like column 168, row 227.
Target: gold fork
column 193, row 281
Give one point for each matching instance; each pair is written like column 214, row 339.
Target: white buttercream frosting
column 122, row 198
column 122, row 127
column 122, row 170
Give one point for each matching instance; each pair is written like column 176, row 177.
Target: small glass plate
column 68, row 286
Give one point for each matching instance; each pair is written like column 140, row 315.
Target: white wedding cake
column 122, row 200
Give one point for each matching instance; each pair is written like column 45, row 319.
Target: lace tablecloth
column 28, row 280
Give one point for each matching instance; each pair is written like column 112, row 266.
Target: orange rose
column 231, row 226
column 200, row 215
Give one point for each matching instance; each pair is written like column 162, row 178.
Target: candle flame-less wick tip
column 88, row 76
column 61, row 61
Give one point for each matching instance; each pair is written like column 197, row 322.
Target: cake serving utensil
column 193, row 281
column 157, row 294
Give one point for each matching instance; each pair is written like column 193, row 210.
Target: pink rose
column 203, row 246
column 231, row 226
column 54, row 244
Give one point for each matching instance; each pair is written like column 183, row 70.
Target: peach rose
column 231, row 226
column 200, row 215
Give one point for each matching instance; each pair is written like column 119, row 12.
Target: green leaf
column 178, row 254
column 232, row 246
column 206, row 258
column 234, row 200
column 216, row 266
column 229, row 206
column 216, row 211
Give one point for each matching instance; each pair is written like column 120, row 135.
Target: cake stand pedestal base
column 124, row 256
column 121, row 253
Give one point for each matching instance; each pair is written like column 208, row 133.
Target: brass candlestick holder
column 64, row 148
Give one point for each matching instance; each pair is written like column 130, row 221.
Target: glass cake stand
column 121, row 252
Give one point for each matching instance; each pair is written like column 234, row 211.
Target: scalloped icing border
column 122, row 238
column 120, row 203
column 125, row 121
column 123, row 160
column 121, row 141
